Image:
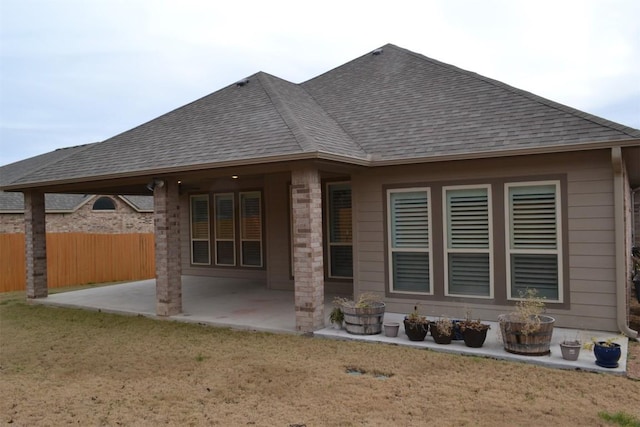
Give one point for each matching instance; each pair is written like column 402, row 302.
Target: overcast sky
column 79, row 71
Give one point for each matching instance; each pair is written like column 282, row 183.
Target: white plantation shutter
column 533, row 217
column 468, row 215
column 409, row 240
column 251, row 228
column 224, row 229
column 468, row 241
column 410, row 220
column 534, row 239
column 200, row 229
column 340, row 230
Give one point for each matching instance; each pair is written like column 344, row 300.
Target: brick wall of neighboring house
column 124, row 219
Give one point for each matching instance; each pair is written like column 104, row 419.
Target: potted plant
column 570, row 349
column 336, row 316
column 527, row 331
column 442, row 330
column 474, row 332
column 416, row 326
column 607, row 352
column 362, row 316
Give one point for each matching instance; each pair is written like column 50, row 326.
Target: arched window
column 104, row 204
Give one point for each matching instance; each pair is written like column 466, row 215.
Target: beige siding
column 590, row 231
column 278, row 235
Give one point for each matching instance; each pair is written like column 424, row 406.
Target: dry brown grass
column 63, row 366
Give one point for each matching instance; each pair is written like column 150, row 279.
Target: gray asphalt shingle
column 394, row 106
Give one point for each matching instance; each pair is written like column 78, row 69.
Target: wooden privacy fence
column 79, row 258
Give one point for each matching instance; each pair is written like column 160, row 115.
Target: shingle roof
column 392, row 107
column 14, row 202
column 400, row 104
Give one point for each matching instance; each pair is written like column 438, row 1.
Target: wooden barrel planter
column 534, row 343
column 364, row 320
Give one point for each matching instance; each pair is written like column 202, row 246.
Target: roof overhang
column 134, row 183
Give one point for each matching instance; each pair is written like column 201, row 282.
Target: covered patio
column 248, row 305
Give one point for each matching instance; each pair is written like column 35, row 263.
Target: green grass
column 620, row 418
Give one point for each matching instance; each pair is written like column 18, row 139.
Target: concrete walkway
column 245, row 304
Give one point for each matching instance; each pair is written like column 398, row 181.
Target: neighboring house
column 394, row 174
column 78, row 213
column 75, row 213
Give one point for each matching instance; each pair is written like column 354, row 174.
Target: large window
column 467, row 234
column 339, row 230
column 200, row 229
column 237, row 229
column 410, row 256
column 534, row 255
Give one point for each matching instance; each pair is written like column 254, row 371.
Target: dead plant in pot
column 527, row 330
column 442, row 330
column 362, row 316
column 474, row 332
column 416, row 325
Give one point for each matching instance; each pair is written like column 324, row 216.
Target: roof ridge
column 301, row 136
column 627, row 130
column 337, row 123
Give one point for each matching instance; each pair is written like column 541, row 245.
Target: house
column 394, row 174
column 79, row 213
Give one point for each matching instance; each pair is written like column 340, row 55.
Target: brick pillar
column 166, row 205
column 35, row 244
column 307, row 249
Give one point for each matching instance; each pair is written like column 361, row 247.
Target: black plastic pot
column 415, row 331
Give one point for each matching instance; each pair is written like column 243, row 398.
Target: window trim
column 328, row 224
column 191, row 238
column 445, row 244
column 389, row 238
column 559, row 251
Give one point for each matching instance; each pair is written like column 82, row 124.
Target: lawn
column 67, row 366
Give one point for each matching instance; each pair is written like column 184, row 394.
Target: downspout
column 620, row 249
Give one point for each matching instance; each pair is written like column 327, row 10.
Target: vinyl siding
column 588, row 200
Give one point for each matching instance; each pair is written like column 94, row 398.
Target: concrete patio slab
column 246, row 304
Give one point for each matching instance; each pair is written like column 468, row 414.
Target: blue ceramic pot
column 607, row 356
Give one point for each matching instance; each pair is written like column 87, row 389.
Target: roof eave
column 508, row 153
column 316, row 155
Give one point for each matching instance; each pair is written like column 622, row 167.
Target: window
column 340, row 251
column 534, row 255
column 467, row 235
column 200, row 229
column 104, row 204
column 409, row 240
column 251, row 229
column 225, row 247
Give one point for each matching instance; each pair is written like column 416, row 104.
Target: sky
column 79, row 71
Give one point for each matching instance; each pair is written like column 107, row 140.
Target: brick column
column 166, row 205
column 35, row 244
column 307, row 249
